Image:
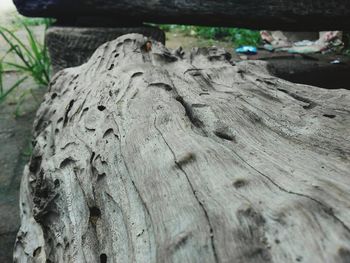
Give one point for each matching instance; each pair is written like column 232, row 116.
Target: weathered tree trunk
column 145, row 156
column 269, row 14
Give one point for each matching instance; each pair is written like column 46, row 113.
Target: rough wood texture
column 269, row 14
column 151, row 157
column 73, row 46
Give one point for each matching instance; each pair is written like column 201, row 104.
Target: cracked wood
column 170, row 158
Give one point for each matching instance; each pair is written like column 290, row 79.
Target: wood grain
column 159, row 157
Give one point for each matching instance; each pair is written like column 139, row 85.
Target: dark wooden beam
column 259, row 14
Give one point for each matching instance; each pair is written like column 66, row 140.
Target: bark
column 269, row 14
column 151, row 156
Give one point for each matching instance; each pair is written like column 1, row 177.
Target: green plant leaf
column 5, row 94
column 34, row 58
column 1, row 78
column 19, row 43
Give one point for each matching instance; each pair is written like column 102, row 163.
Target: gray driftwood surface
column 152, row 157
column 269, row 14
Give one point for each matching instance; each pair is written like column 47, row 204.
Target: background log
column 149, row 156
column 267, row 14
column 73, row 46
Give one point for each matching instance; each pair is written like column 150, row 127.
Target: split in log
column 147, row 155
column 267, row 14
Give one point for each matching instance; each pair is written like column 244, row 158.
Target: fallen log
column 268, row 14
column 148, row 155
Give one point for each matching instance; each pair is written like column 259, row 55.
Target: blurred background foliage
column 238, row 36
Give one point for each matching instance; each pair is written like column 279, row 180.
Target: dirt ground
column 15, row 139
column 187, row 42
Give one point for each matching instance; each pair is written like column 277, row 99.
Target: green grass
column 33, row 58
column 238, row 36
column 3, row 93
column 31, row 62
column 346, row 39
column 18, row 21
